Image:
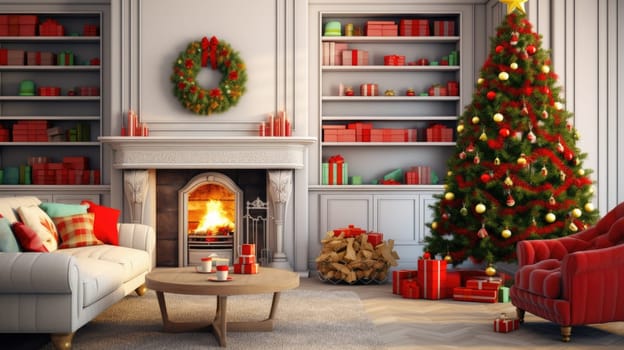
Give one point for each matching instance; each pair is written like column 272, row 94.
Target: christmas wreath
column 221, row 57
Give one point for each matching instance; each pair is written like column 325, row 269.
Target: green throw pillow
column 55, row 210
column 8, row 243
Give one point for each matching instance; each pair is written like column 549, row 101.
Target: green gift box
column 503, row 294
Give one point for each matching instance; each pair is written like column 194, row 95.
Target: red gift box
column 453, row 280
column 374, row 238
column 51, row 27
column 354, row 58
column 452, row 88
column 248, row 249
column 369, row 90
column 398, row 276
column 247, row 269
column 362, row 131
column 350, row 231
column 431, row 278
column 410, row 289
column 414, row 27
column 336, row 170
column 78, row 163
column 477, row 295
column 444, row 28
column 483, row 283
column 505, row 325
column 246, row 259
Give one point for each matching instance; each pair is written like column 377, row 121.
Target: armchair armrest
column 38, row 273
column 596, row 275
column 138, row 236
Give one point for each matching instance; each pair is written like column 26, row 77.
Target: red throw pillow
column 105, row 225
column 28, row 238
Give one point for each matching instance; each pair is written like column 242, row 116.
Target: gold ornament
column 573, row 227
column 498, row 117
column 576, row 212
column 480, row 208
column 475, row 120
column 522, row 161
column 434, row 225
column 483, row 136
column 545, row 69
column 513, row 66
column 448, row 258
column 449, row 196
column 506, row 233
column 589, row 207
column 581, row 172
column 496, row 161
column 490, row 270
column 550, row 218
column 503, row 76
column 460, row 128
column 480, row 81
column 508, row 181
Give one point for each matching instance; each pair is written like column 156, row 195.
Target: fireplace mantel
column 245, row 152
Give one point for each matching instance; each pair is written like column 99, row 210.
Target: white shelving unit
column 400, row 212
column 64, row 111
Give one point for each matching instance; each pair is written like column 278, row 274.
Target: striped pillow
column 76, row 230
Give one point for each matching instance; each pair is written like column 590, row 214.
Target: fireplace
column 146, row 163
column 210, row 212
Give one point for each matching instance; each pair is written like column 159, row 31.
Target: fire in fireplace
column 211, row 214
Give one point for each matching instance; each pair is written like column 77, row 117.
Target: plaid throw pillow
column 76, row 230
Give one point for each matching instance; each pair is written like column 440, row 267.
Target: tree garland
column 223, row 58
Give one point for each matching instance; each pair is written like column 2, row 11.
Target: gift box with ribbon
column 477, row 295
column 369, row 89
column 443, row 28
column 354, row 58
column 483, row 283
column 414, row 27
column 400, row 275
column 410, row 289
column 432, row 278
column 504, row 324
column 336, row 170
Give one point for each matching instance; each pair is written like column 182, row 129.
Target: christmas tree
column 517, row 173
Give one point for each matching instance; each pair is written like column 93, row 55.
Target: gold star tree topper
column 514, row 4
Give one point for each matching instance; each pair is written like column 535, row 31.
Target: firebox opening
column 211, row 205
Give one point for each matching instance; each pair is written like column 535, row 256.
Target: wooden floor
column 448, row 324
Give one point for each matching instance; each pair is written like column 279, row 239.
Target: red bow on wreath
column 209, row 48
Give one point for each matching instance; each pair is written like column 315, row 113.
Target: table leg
column 176, row 327
column 265, row 325
column 220, row 325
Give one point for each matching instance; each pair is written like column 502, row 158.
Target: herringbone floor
column 448, row 324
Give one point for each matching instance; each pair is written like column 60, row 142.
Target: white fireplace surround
column 132, row 154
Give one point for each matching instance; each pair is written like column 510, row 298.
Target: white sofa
column 59, row 292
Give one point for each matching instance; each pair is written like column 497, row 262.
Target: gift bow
column 336, row 159
column 209, row 51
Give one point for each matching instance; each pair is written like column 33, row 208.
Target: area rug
column 305, row 320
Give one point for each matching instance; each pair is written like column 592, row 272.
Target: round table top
column 186, row 280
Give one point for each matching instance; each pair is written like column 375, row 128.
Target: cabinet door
column 426, row 200
column 343, row 210
column 396, row 217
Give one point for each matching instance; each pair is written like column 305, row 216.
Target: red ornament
column 504, row 132
column 482, row 233
column 568, row 155
column 545, row 90
column 528, row 91
column 462, row 155
column 499, row 48
column 445, row 216
column 531, row 50
column 510, row 201
column 470, row 148
column 426, row 255
column 485, row 177
column 491, row 95
column 514, row 38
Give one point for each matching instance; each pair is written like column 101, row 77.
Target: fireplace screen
column 210, row 205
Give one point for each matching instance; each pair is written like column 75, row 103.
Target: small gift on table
column 504, row 324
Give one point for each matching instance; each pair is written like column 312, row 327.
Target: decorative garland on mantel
column 221, row 57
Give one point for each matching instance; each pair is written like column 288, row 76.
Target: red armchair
column 573, row 280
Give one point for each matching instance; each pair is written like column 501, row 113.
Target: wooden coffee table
column 186, row 280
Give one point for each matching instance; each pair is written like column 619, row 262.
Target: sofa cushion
column 542, row 278
column 35, row 218
column 132, row 262
column 9, row 205
column 28, row 239
column 105, row 226
column 76, row 230
column 55, row 210
column 8, row 242
column 98, row 278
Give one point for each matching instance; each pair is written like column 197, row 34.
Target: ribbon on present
column 432, row 277
column 335, row 169
column 504, row 324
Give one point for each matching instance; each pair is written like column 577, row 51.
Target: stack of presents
column 365, row 132
column 41, row 131
column 28, row 25
column 71, row 171
column 247, row 260
column 432, row 280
